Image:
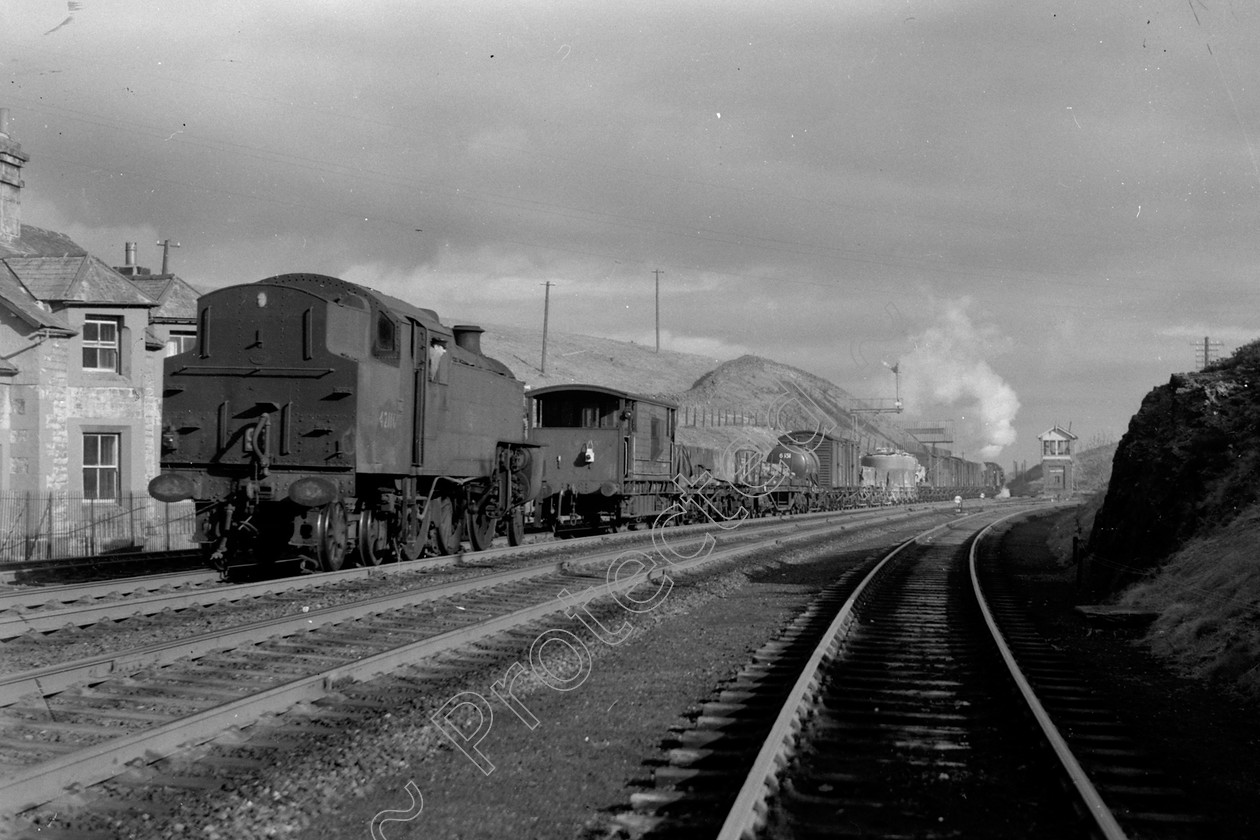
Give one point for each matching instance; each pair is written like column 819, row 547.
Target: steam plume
column 946, row 374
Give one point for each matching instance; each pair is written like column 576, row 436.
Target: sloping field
column 589, row 359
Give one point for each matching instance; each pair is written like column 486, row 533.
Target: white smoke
column 946, row 376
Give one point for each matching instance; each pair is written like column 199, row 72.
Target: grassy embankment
column 1208, row 600
column 1207, row 595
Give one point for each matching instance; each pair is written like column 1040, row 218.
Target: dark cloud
column 1063, row 173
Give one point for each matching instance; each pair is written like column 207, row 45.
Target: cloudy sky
column 1033, row 207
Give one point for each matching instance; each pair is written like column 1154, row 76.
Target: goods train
column 320, row 420
column 610, row 459
column 317, row 416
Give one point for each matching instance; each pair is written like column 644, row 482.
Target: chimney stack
column 131, row 269
column 468, row 337
column 11, row 162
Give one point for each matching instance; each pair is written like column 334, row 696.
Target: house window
column 100, row 466
column 180, row 342
column 100, row 343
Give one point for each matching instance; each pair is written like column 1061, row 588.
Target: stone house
column 81, row 349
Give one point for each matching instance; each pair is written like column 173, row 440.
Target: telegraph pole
column 166, row 245
column 546, row 314
column 658, row 274
column 1206, row 352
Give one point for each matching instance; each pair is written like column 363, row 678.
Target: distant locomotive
column 320, row 418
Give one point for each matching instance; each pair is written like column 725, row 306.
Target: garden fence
column 47, row 526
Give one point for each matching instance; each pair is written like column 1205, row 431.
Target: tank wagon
column 823, row 472
column 892, row 474
column 321, row 419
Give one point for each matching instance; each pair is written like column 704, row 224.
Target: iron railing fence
column 48, row 526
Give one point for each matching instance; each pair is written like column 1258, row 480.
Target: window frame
column 385, row 338
column 98, row 468
column 180, row 341
column 98, row 345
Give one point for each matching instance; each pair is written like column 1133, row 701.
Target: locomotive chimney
column 468, row 337
column 130, row 253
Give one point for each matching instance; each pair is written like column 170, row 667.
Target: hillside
column 593, row 360
column 723, row 405
column 1181, row 519
column 1188, row 463
column 1093, row 468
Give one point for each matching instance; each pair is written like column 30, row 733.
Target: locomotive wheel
column 481, row 529
column 373, row 539
column 516, row 527
column 332, row 536
column 409, row 543
column 445, row 534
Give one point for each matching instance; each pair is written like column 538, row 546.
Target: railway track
column 83, row 722
column 46, row 609
column 70, row 569
column 891, row 709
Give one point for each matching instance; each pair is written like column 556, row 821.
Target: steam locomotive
column 320, row 416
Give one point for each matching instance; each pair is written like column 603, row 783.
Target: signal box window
column 100, row 466
column 100, row 343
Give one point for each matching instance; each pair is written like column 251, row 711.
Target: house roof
column 37, row 242
column 177, row 301
column 26, row 306
column 77, row 279
column 44, row 267
column 1056, row 432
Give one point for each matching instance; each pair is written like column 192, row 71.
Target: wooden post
column 30, row 539
column 131, row 515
